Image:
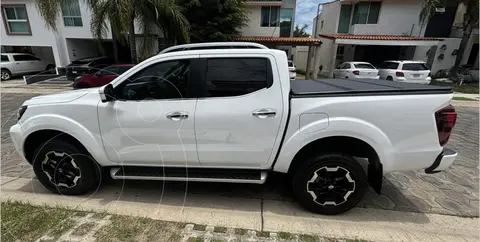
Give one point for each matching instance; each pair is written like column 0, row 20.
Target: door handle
column 264, row 113
column 175, row 116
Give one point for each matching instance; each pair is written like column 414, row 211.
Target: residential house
column 379, row 30
column 23, row 29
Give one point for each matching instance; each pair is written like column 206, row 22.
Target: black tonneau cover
column 361, row 87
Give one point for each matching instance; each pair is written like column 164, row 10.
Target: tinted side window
column 110, row 71
column 163, row 80
column 21, row 57
column 4, row 58
column 383, row 65
column 227, row 77
column 392, row 65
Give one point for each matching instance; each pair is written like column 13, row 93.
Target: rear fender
column 341, row 126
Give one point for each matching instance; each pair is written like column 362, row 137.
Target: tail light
column 399, row 74
column 445, row 119
column 356, row 72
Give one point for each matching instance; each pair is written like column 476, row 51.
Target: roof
column 280, row 40
column 375, row 37
column 405, row 61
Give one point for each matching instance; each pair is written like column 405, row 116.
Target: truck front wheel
column 330, row 183
column 63, row 167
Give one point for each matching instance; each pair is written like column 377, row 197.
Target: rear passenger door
column 239, row 111
column 22, row 63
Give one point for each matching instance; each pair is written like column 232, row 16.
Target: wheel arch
column 345, row 145
column 35, row 139
column 38, row 129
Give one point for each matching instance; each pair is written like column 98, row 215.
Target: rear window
column 414, row 67
column 388, row 65
column 364, row 66
column 81, row 62
column 290, row 63
column 4, row 58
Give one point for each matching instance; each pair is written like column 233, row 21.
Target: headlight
column 21, row 111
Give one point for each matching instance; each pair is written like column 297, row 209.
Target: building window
column 286, row 22
column 270, row 16
column 366, row 13
column 71, row 13
column 15, row 19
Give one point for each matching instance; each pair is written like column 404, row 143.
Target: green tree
column 301, row 32
column 470, row 21
column 149, row 15
column 214, row 20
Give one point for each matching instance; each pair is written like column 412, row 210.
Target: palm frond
column 49, row 10
column 428, row 9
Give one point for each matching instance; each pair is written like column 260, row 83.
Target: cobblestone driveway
column 454, row 191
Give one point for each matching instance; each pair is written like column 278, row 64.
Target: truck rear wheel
column 64, row 168
column 330, row 183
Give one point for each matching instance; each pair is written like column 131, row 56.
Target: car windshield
column 414, row 67
column 4, row 58
column 363, row 66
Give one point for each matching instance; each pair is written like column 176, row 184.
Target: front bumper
column 442, row 162
column 17, row 135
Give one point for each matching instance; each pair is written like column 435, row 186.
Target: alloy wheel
column 331, row 186
column 61, row 169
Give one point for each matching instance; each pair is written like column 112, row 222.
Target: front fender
column 339, row 126
column 91, row 141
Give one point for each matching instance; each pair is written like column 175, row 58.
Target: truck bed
column 363, row 87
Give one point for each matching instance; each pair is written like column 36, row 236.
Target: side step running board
column 188, row 174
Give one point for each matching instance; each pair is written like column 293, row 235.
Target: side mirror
column 106, row 93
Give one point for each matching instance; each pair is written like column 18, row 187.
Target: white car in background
column 13, row 64
column 292, row 71
column 355, row 70
column 405, row 71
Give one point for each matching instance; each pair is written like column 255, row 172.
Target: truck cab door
column 239, row 112
column 151, row 122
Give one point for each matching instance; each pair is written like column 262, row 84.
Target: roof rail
column 214, row 45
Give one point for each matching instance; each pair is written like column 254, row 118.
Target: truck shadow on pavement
column 274, row 198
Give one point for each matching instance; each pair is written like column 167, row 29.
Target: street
column 452, row 192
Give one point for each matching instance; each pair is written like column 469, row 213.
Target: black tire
column 303, row 175
column 81, row 86
column 389, row 78
column 5, row 74
column 51, row 68
column 64, row 152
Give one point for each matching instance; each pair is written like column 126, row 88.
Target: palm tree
column 470, row 21
column 149, row 15
column 301, row 32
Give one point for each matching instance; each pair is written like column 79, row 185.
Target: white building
column 374, row 31
column 24, row 28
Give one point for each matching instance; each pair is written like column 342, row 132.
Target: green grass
column 471, row 88
column 264, row 234
column 84, row 229
column 220, row 230
column 464, row 99
column 24, row 222
column 240, row 231
column 199, row 227
column 195, row 239
column 307, row 238
column 285, row 235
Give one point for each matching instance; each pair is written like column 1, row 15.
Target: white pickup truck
column 233, row 115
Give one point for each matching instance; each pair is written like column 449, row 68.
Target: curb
column 254, row 214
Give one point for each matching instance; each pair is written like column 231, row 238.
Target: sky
column 306, row 11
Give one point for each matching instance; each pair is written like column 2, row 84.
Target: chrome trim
column 263, row 178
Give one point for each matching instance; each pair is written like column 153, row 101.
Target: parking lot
column 453, row 192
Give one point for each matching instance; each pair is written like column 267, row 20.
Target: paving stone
column 452, row 206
